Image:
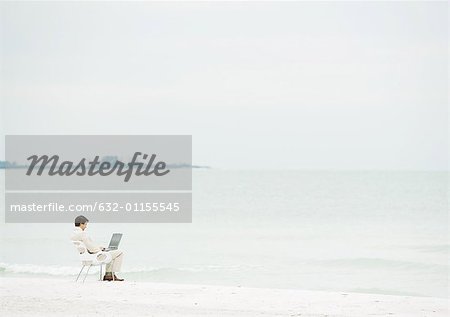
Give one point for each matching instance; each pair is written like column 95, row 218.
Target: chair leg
column 101, row 271
column 82, row 268
column 113, row 276
column 87, row 272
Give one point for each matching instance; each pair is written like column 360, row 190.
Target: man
column 80, row 234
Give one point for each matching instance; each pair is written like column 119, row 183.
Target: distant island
column 8, row 165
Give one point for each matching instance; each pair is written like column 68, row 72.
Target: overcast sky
column 258, row 85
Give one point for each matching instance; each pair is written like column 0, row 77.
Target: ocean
column 350, row 231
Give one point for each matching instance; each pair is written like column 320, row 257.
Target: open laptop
column 114, row 243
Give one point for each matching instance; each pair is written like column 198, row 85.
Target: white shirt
column 83, row 236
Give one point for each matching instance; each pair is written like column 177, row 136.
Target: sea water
column 353, row 231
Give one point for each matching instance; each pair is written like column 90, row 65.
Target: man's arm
column 90, row 245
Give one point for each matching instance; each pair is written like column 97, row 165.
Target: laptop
column 114, row 243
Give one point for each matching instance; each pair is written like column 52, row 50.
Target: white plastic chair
column 91, row 259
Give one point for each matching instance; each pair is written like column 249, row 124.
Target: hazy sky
column 264, row 85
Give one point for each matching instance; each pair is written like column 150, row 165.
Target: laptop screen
column 115, row 240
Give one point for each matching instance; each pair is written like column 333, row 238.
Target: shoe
column 117, row 279
column 109, row 277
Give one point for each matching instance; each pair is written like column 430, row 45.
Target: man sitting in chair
column 80, row 234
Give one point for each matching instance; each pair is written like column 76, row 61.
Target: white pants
column 116, row 263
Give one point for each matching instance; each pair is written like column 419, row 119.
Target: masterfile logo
column 105, row 162
column 94, row 167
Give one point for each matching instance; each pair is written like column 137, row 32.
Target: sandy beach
column 62, row 297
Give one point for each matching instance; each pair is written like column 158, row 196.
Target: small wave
column 215, row 268
column 73, row 270
column 38, row 269
column 438, row 248
column 385, row 292
column 370, row 263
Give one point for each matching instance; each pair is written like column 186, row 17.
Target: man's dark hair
column 80, row 219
